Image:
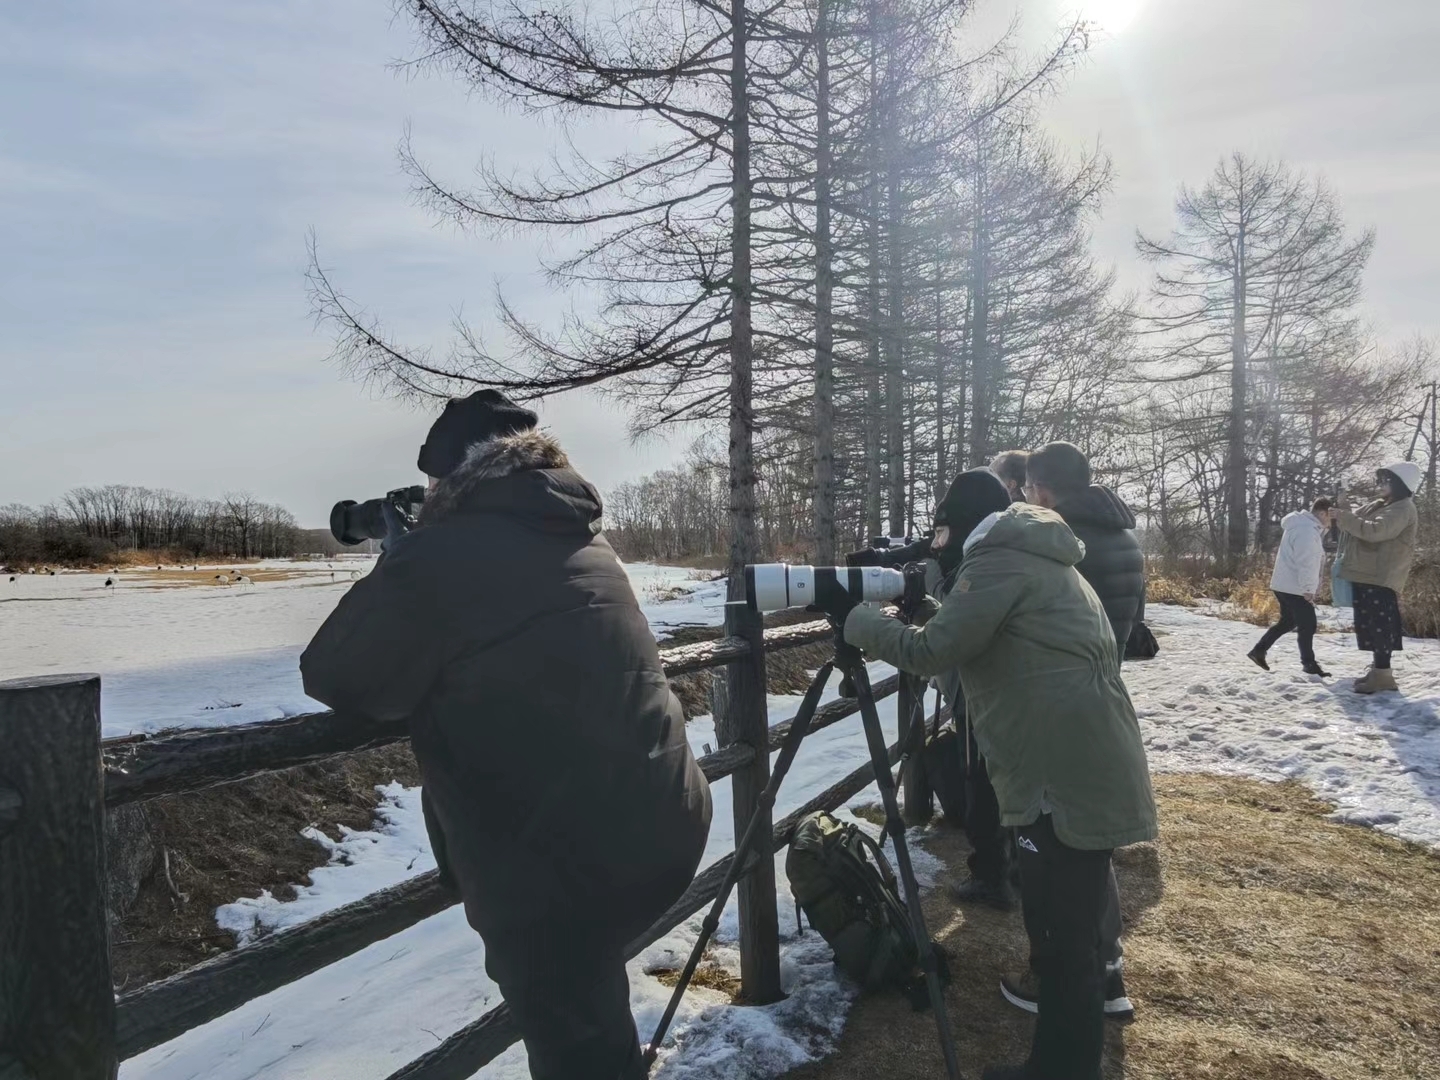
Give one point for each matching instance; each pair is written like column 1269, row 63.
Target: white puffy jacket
column 1301, row 558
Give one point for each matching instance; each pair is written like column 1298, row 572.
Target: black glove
column 863, row 557
column 834, row 600
column 395, row 524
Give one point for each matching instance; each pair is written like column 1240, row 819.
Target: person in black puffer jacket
column 560, row 793
column 1059, row 478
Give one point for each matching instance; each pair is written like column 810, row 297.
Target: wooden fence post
column 919, row 806
column 741, row 716
column 57, row 1004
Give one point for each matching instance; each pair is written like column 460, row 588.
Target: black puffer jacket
column 1113, row 563
column 560, row 788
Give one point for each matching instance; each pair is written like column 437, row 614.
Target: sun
column 1112, row 16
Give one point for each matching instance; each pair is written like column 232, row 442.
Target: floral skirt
column 1377, row 619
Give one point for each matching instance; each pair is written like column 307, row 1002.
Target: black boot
column 1312, row 667
column 1259, row 657
column 995, row 894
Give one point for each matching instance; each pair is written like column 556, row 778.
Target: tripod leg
column 895, row 826
column 798, row 727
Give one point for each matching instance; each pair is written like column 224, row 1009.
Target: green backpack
column 847, row 889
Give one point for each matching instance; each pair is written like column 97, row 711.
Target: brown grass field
column 1263, row 942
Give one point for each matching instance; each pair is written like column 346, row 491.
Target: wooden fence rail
column 59, row 1019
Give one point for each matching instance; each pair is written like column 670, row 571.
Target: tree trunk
column 874, row 420
column 824, row 472
column 1237, row 525
column 744, row 543
column 895, row 356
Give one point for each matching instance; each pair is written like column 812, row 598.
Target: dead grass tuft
column 709, row 975
column 1263, row 942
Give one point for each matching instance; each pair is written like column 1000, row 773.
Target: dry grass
column 787, row 671
column 1262, row 943
column 235, row 840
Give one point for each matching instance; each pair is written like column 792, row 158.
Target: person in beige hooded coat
column 1377, row 546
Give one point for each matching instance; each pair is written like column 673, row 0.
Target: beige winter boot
column 1375, row 681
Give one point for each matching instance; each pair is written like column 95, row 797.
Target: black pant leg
column 1064, row 893
column 1304, row 616
column 987, row 860
column 1285, row 624
column 571, row 1003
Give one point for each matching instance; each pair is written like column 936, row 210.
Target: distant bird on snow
column 243, row 580
column 222, row 579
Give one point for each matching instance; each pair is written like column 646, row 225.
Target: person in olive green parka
column 1041, row 671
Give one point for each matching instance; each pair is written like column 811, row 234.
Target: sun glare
column 1112, row 16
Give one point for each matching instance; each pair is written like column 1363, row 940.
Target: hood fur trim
column 502, row 456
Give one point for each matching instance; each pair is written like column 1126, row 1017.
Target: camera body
column 894, row 551
column 353, row 523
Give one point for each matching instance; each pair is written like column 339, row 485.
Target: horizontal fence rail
column 160, row 1011
column 184, row 761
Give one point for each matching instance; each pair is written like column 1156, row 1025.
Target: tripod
column 851, row 664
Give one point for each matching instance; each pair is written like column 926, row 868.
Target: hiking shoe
column 1118, row 1006
column 1259, row 658
column 1375, row 681
column 995, row 894
column 1312, row 667
column 1024, row 992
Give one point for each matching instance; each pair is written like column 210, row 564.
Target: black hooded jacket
column 1113, row 564
column 560, row 789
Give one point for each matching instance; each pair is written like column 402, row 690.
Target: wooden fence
column 59, row 1016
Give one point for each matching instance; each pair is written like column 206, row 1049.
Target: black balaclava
column 973, row 496
column 464, row 422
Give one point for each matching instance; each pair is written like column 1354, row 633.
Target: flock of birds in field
column 225, row 577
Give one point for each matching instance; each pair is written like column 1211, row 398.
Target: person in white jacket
column 1298, row 568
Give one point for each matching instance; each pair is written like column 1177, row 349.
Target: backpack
column 846, row 887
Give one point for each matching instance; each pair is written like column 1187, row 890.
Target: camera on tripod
column 354, row 522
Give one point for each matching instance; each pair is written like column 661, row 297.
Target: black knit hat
column 483, row 415
column 973, row 496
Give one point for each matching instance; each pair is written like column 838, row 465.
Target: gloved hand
column 395, row 524
column 863, row 557
column 834, row 600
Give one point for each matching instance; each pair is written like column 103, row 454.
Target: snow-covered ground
column 1204, row 707
column 185, row 655
column 174, row 654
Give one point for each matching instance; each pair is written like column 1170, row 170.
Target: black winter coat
column 560, row 789
column 1113, row 564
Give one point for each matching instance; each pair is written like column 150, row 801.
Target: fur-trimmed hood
column 525, row 475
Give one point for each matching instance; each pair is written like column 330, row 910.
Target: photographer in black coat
column 560, row 793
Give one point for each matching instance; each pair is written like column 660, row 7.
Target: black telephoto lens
column 353, row 523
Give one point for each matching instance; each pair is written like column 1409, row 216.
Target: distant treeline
column 92, row 524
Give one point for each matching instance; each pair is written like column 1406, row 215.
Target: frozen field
column 171, row 654
column 195, row 653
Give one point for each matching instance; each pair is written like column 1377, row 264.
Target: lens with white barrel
column 774, row 586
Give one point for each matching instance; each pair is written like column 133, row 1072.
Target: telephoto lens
column 772, row 586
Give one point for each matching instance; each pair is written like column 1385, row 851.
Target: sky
column 162, row 164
